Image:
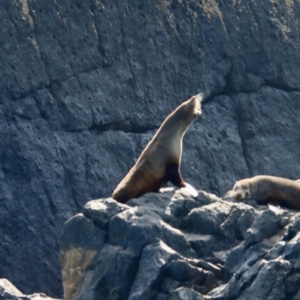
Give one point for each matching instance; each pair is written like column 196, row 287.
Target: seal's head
column 188, row 111
column 241, row 191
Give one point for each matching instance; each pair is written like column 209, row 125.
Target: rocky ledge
column 170, row 245
column 9, row 292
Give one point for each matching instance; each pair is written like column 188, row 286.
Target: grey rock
column 186, row 294
column 292, row 249
column 110, row 274
column 9, row 292
column 169, row 245
column 241, row 281
column 266, row 286
column 276, row 251
column 148, row 226
column 82, row 233
column 266, row 225
column 101, row 211
column 240, row 258
column 152, row 269
column 293, row 228
column 207, row 219
column 138, row 234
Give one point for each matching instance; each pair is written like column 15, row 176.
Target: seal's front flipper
column 173, row 174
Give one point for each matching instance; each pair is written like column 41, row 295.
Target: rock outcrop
column 9, row 292
column 172, row 246
column 84, row 85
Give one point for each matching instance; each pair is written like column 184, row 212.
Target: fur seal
column 160, row 160
column 268, row 189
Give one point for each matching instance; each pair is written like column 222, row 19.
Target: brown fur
column 268, row 189
column 160, row 160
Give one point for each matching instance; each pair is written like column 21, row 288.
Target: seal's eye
column 247, row 194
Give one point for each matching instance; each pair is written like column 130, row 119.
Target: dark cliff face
column 84, row 85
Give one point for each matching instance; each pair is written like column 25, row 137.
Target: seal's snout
column 239, row 196
column 200, row 96
column 235, row 194
column 197, row 104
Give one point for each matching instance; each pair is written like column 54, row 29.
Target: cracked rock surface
column 9, row 292
column 171, row 246
column 85, row 84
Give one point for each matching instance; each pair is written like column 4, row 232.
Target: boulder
column 171, row 245
column 9, row 292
